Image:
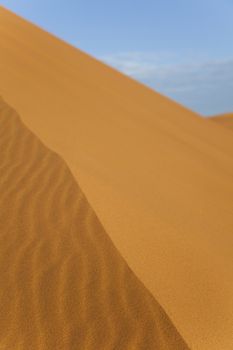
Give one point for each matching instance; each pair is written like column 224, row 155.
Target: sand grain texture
column 63, row 285
column 159, row 177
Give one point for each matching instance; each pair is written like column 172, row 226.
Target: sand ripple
column 63, row 283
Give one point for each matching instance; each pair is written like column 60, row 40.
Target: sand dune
column 63, row 284
column 225, row 120
column 159, row 177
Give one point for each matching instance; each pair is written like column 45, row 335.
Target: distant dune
column 225, row 120
column 63, row 284
column 159, row 177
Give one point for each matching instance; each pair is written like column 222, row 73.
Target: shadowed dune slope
column 225, row 120
column 159, row 177
column 63, row 285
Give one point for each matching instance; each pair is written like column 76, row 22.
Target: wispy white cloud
column 138, row 64
column 200, row 83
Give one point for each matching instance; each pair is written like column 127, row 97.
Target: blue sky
column 181, row 48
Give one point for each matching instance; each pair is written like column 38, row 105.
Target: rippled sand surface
column 158, row 176
column 63, row 285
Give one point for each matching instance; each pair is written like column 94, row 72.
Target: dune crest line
column 159, row 176
column 63, row 283
column 225, row 120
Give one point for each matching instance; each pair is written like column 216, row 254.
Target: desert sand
column 159, row 177
column 225, row 120
column 63, row 283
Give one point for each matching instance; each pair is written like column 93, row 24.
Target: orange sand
column 225, row 120
column 159, row 177
column 63, row 284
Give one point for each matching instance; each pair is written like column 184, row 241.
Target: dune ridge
column 225, row 119
column 63, row 284
column 159, row 177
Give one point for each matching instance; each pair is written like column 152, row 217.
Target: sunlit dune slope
column 225, row 120
column 63, row 284
column 159, row 177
